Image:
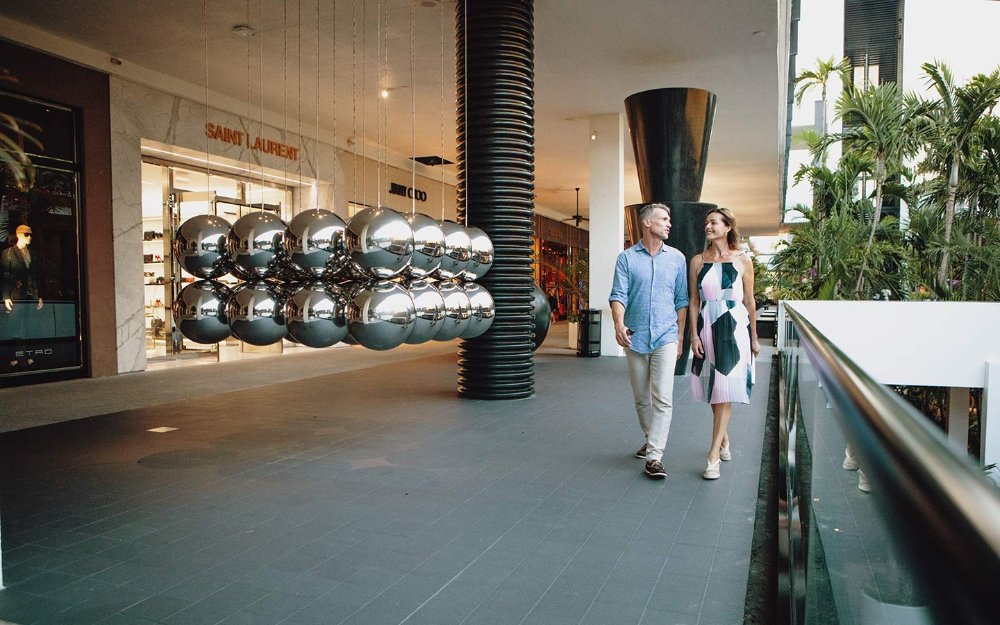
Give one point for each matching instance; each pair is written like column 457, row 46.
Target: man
column 649, row 300
column 19, row 282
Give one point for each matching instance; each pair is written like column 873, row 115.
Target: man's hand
column 623, row 335
column 9, row 305
column 40, row 304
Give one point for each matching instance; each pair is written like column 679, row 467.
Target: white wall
column 914, row 343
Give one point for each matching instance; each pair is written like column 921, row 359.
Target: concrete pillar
column 607, row 216
column 989, row 419
column 958, row 418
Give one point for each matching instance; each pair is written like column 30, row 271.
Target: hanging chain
column 441, row 112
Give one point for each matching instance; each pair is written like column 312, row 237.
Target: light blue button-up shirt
column 652, row 289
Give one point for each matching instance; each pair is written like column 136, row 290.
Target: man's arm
column 618, row 298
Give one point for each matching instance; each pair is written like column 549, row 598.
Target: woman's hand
column 755, row 347
column 697, row 348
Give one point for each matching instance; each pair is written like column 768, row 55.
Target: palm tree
column 880, row 122
column 14, row 137
column 820, row 77
column 950, row 124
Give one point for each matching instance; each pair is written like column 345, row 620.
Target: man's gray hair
column 647, row 211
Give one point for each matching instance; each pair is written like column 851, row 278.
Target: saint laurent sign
column 405, row 191
column 244, row 139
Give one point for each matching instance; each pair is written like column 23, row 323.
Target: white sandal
column 712, row 470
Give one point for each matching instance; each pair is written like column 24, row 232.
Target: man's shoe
column 655, row 470
column 863, row 484
column 725, row 454
column 850, row 464
column 641, row 452
column 712, row 470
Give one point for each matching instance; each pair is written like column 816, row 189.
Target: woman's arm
column 694, row 306
column 749, row 302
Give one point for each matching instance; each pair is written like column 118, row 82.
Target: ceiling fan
column 577, row 217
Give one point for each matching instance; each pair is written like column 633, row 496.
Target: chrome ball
column 379, row 242
column 457, row 250
column 482, row 255
column 457, row 309
column 429, row 307
column 200, row 311
column 255, row 243
column 483, row 310
column 314, row 238
column 541, row 315
column 315, row 316
column 428, row 245
column 256, row 313
column 380, row 315
column 200, row 246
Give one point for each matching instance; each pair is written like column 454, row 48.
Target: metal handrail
column 942, row 512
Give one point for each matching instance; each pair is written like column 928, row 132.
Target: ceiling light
column 385, row 93
column 593, row 136
column 244, row 31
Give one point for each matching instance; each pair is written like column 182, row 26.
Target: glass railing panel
column 843, row 566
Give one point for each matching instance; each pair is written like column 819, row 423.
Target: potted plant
column 573, row 279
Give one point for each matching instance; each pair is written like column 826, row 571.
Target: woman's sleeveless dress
column 727, row 370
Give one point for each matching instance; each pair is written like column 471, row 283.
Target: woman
column 723, row 327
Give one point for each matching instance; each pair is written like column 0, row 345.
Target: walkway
column 372, row 494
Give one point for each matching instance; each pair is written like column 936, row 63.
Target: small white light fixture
column 162, row 429
column 593, row 136
column 385, row 94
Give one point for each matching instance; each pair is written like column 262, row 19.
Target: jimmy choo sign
column 244, row 139
column 405, row 191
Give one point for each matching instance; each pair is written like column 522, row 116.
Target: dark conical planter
column 671, row 129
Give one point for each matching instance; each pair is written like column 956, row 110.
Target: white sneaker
column 712, row 471
column 725, row 454
column 850, row 464
column 863, row 484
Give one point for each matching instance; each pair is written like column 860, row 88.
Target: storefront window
column 172, row 194
column 40, row 312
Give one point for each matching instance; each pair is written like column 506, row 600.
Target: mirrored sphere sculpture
column 483, row 310
column 429, row 307
column 541, row 315
column 380, row 315
column 315, row 316
column 200, row 246
column 254, row 243
column 379, row 242
column 428, row 245
column 457, row 309
column 314, row 238
column 457, row 250
column 482, row 254
column 200, row 311
column 256, row 313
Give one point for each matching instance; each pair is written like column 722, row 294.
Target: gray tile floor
column 377, row 496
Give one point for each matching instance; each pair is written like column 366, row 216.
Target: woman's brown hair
column 733, row 237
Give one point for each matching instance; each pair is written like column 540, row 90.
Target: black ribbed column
column 496, row 185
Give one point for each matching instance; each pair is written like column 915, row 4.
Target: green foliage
column 825, row 259
column 950, row 246
column 15, row 135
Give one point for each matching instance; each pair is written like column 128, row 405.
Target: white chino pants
column 652, row 377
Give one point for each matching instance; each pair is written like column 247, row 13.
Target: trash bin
column 588, row 342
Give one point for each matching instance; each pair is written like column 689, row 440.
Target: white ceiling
column 590, row 55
